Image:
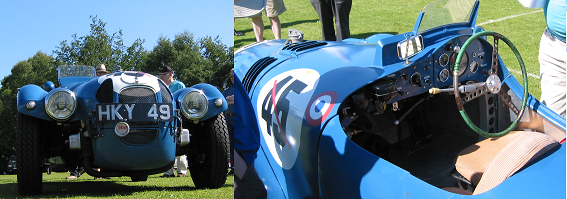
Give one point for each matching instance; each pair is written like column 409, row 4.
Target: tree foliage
column 36, row 70
column 194, row 61
column 204, row 60
column 99, row 47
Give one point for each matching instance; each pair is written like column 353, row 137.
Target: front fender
column 212, row 94
column 32, row 93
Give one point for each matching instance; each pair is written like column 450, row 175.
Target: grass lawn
column 394, row 17
column 57, row 186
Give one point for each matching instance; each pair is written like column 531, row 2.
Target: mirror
column 410, row 47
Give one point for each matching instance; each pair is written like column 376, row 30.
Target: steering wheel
column 493, row 82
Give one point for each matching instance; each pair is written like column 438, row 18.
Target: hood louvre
column 301, row 46
column 255, row 70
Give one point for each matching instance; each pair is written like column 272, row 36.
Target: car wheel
column 139, row 178
column 28, row 153
column 209, row 165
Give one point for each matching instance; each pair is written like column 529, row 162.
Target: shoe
column 167, row 176
column 231, row 172
column 71, row 177
column 238, row 33
column 181, row 175
column 98, row 178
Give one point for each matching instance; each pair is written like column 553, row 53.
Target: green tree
column 100, row 47
column 205, row 60
column 36, row 70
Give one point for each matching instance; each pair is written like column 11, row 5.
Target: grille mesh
column 137, row 95
column 165, row 96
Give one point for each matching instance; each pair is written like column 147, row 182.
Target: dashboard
column 437, row 70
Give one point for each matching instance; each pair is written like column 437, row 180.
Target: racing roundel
column 320, row 107
column 281, row 106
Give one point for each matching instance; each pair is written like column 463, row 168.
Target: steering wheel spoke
column 493, row 84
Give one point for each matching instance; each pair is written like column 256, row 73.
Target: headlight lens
column 194, row 105
column 61, row 104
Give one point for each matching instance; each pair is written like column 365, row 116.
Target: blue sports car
column 126, row 123
column 431, row 113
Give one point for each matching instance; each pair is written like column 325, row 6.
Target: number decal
column 164, row 110
column 153, row 112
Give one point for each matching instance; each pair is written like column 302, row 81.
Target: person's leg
column 276, row 27
column 170, row 173
column 342, row 12
column 258, row 27
column 325, row 12
column 552, row 57
column 181, row 165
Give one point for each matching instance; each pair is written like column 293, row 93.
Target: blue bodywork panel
column 305, row 98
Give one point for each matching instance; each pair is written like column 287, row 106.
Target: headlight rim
column 74, row 102
column 189, row 115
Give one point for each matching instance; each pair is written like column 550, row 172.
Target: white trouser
column 552, row 55
column 181, row 162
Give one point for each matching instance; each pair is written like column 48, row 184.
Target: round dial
column 462, row 66
column 444, row 59
column 473, row 67
column 444, row 75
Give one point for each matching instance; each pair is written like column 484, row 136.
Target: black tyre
column 29, row 158
column 209, row 164
column 139, row 178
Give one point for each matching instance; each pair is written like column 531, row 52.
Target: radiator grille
column 165, row 96
column 137, row 95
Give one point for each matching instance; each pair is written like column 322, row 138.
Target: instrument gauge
column 444, row 59
column 462, row 66
column 473, row 67
column 444, row 75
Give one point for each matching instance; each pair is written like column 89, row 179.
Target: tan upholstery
column 491, row 161
column 473, row 160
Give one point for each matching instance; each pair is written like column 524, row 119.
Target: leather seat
column 489, row 162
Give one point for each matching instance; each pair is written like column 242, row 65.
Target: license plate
column 117, row 112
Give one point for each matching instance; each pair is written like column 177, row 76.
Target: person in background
column 274, row 8
column 101, row 70
column 552, row 54
column 253, row 9
column 166, row 75
column 247, row 183
column 229, row 118
column 340, row 10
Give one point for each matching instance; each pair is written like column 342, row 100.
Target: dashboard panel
column 436, row 70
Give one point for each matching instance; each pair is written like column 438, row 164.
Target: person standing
column 552, row 54
column 166, row 75
column 229, row 118
column 253, row 9
column 329, row 9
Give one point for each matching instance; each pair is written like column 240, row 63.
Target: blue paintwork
column 109, row 151
column 120, row 156
column 211, row 92
column 317, row 159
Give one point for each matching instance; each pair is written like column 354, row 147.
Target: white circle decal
column 282, row 102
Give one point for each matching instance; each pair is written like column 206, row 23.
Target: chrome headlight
column 194, row 105
column 60, row 104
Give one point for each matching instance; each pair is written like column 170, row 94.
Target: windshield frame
column 72, row 75
column 461, row 13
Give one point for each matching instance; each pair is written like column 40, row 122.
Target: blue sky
column 27, row 27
